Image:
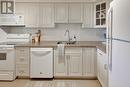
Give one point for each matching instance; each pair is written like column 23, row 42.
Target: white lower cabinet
column 74, row 61
column 22, row 61
column 89, row 62
column 60, row 68
column 72, row 65
column 79, row 62
column 102, row 70
column 75, row 64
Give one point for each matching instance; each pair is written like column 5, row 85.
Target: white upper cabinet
column 7, row 6
column 61, row 13
column 46, row 15
column 68, row 13
column 32, row 15
column 20, row 8
column 88, row 16
column 75, row 13
column 100, row 15
column 30, row 12
column 36, row 15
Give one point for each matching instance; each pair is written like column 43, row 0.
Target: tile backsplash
column 58, row 33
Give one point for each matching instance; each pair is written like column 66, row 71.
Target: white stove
column 7, row 55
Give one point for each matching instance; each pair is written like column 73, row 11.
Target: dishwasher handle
column 40, row 53
column 41, row 49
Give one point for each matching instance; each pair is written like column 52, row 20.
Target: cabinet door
column 100, row 14
column 20, row 8
column 99, row 67
column 61, row 13
column 30, row 12
column 75, row 13
column 105, row 71
column 22, row 55
column 74, row 61
column 102, row 71
column 60, row 68
column 88, row 16
column 32, row 15
column 46, row 15
column 22, row 61
column 22, row 70
column 89, row 62
column 75, row 65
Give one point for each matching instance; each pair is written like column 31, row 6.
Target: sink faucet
column 68, row 32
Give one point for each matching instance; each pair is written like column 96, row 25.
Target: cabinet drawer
column 22, row 48
column 22, row 60
column 22, row 55
column 22, row 52
column 22, row 70
column 73, row 50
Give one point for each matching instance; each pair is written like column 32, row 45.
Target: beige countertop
column 53, row 44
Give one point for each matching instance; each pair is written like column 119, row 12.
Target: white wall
column 58, row 32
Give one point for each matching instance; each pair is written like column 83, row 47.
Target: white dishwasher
column 41, row 63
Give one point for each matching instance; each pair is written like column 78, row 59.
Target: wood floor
column 50, row 83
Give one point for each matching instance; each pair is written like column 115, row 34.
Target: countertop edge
column 53, row 44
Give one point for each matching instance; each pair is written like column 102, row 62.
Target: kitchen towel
column 61, row 53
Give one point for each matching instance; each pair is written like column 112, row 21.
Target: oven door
column 7, row 59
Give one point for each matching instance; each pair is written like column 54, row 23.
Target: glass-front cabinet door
column 7, row 6
column 100, row 14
